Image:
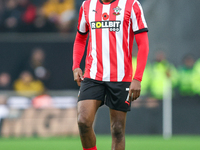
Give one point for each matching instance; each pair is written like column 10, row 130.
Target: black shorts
column 113, row 94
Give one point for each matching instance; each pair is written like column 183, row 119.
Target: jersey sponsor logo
column 117, row 10
column 111, row 25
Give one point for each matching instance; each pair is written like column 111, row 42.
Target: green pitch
column 103, row 143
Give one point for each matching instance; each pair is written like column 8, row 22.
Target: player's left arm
column 140, row 29
column 143, row 50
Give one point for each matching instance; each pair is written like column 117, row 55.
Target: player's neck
column 107, row 1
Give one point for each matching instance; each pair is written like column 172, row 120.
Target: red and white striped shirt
column 112, row 27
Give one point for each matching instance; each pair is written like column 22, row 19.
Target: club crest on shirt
column 117, row 10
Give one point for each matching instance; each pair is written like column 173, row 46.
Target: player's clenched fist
column 78, row 76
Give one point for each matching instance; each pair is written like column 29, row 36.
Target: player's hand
column 78, row 75
column 134, row 90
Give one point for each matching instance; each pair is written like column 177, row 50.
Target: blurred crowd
column 37, row 16
column 184, row 79
column 33, row 78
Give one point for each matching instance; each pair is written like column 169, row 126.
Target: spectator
column 28, row 14
column 161, row 71
column 186, row 75
column 61, row 12
column 196, row 77
column 10, row 16
column 1, row 15
column 5, row 81
column 42, row 24
column 36, row 66
column 26, row 85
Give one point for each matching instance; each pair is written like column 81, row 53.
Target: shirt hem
column 98, row 79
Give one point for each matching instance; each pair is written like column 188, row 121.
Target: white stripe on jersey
column 134, row 20
column 83, row 22
column 142, row 15
column 119, row 38
column 106, row 48
column 93, row 69
column 129, row 25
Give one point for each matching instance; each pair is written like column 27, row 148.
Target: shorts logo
column 117, row 10
column 127, row 102
column 111, row 25
column 78, row 93
column 127, row 99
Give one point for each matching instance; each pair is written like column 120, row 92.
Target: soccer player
column 112, row 26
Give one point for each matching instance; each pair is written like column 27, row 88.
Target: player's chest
column 107, row 16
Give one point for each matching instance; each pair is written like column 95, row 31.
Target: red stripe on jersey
column 112, row 43
column 127, row 57
column 89, row 59
column 138, row 14
column 131, row 39
column 98, row 17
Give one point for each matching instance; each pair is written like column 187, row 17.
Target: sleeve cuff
column 141, row 30
column 137, row 79
column 82, row 32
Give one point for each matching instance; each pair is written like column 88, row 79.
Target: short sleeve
column 138, row 21
column 82, row 24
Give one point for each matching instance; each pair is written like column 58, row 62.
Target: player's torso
column 110, row 29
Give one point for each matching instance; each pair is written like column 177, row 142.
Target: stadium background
column 51, row 111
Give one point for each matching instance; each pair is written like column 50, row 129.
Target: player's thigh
column 91, row 97
column 86, row 110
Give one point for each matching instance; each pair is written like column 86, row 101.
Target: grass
column 103, row 143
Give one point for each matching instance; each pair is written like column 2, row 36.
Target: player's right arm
column 78, row 51
column 79, row 46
